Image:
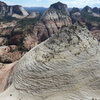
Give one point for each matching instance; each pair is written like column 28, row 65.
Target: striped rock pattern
column 64, row 67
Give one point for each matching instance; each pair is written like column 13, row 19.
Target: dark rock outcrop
column 74, row 10
column 87, row 10
column 75, row 14
column 96, row 10
column 3, row 9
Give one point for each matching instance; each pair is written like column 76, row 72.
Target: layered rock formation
column 13, row 11
column 89, row 17
column 11, row 33
column 87, row 9
column 6, row 28
column 33, row 15
column 52, row 20
column 86, row 14
column 5, row 70
column 75, row 14
column 3, row 9
column 8, row 53
column 93, row 12
column 96, row 10
column 64, row 67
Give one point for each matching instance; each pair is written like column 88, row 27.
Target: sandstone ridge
column 64, row 67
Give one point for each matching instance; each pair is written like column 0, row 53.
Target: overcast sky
column 46, row 3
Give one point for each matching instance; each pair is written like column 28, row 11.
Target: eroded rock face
column 6, row 28
column 5, row 70
column 52, row 20
column 96, row 34
column 75, row 14
column 56, row 11
column 3, row 9
column 96, row 10
column 17, row 10
column 66, row 66
column 87, row 16
column 3, row 41
column 9, row 54
column 87, row 9
column 33, row 15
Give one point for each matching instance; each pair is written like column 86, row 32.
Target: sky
column 47, row 3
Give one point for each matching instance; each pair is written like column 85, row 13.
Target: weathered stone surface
column 96, row 34
column 64, row 67
column 87, row 16
column 29, row 42
column 13, row 11
column 87, row 10
column 75, row 14
column 3, row 9
column 56, row 11
column 6, row 28
column 96, row 10
column 52, row 20
column 9, row 54
column 33, row 15
column 5, row 70
column 2, row 41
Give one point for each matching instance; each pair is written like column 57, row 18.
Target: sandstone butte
column 64, row 67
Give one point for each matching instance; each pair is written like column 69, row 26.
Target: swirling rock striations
column 64, row 67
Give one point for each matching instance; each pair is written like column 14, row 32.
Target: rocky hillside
column 51, row 21
column 64, row 67
column 95, row 12
column 87, row 16
column 18, row 36
column 56, row 11
column 33, row 15
column 13, row 11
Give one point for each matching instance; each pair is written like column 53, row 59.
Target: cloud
column 38, row 0
column 8, row 2
column 47, row 3
column 82, row 3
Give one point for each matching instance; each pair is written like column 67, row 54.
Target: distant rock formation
column 75, row 14
column 87, row 9
column 64, row 67
column 96, row 10
column 13, row 11
column 33, row 15
column 56, row 11
column 52, row 20
column 86, row 12
column 87, row 16
column 3, row 9
column 74, row 10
